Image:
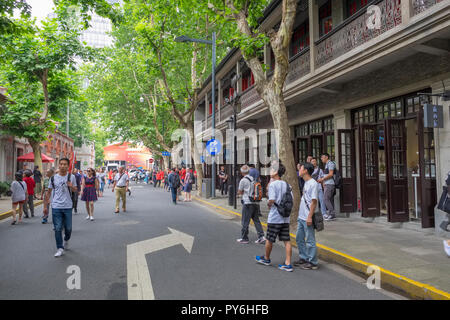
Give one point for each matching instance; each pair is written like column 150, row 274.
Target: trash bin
column 206, row 187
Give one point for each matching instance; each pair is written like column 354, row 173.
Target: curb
column 8, row 214
column 412, row 288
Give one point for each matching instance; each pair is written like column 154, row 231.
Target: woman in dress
column 89, row 190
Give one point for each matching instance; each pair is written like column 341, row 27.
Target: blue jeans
column 102, row 186
column 174, row 194
column 323, row 207
column 62, row 218
column 306, row 248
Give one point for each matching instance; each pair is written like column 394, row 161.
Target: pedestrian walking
column 316, row 175
column 174, row 184
column 89, row 191
column 18, row 196
column 250, row 209
column 78, row 179
column 29, row 204
column 48, row 176
column 188, row 181
column 102, row 181
column 328, row 186
column 223, row 181
column 166, row 180
column 306, row 240
column 110, row 178
column 120, row 186
column 159, row 177
column 60, row 189
column 280, row 192
column 37, row 176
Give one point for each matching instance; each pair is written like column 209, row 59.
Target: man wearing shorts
column 277, row 226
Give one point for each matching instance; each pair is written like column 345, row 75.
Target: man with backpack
column 329, row 186
column 280, row 204
column 174, row 184
column 251, row 192
column 306, row 241
column 61, row 185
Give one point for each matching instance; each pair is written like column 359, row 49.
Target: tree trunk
column 37, row 153
column 274, row 99
column 196, row 156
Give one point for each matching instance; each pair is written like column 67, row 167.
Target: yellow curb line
column 8, row 214
column 415, row 289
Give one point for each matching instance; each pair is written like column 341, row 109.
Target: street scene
column 270, row 150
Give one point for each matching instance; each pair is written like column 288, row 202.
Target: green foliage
column 7, row 8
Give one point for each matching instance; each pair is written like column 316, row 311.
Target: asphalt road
column 216, row 268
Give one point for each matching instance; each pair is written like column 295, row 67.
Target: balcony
column 226, row 112
column 354, row 32
column 249, row 97
column 299, row 66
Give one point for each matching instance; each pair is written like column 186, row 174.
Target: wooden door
column 369, row 179
column 328, row 143
column 396, row 171
column 427, row 171
column 316, row 146
column 347, row 167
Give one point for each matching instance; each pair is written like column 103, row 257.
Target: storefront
column 387, row 158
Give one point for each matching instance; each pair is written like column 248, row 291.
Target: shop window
column 328, row 125
column 429, row 155
column 300, row 38
column 353, row 6
column 325, row 20
column 302, row 130
column 389, row 110
column 315, row 127
column 365, row 115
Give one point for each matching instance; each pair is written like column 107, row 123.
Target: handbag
column 444, row 202
column 317, row 218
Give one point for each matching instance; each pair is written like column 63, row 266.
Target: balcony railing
column 226, row 112
column 423, row 5
column 249, row 97
column 299, row 65
column 355, row 32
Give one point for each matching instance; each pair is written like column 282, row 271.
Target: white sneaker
column 92, row 218
column 66, row 245
column 59, row 253
column 447, row 248
column 88, row 217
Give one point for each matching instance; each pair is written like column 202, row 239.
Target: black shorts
column 280, row 230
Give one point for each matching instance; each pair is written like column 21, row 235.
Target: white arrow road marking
column 138, row 275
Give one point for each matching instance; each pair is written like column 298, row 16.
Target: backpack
column 286, row 203
column 191, row 178
column 176, row 180
column 255, row 190
column 336, row 177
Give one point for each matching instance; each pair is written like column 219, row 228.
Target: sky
column 40, row 8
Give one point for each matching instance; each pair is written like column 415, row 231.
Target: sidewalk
column 5, row 207
column 414, row 254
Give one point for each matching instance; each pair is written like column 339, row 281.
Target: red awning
column 29, row 157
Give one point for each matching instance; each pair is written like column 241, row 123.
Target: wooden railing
column 299, row 66
column 249, row 97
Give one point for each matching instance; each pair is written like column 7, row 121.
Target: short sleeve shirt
column 62, row 197
column 277, row 189
column 310, row 192
column 245, row 185
column 121, row 179
column 329, row 166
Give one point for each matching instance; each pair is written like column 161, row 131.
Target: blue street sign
column 202, row 159
column 213, row 147
column 166, row 154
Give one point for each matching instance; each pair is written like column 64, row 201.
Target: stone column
column 406, row 7
column 442, row 152
column 313, row 13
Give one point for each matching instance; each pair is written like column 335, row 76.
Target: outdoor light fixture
column 212, row 42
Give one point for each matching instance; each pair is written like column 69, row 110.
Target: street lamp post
column 232, row 122
column 213, row 97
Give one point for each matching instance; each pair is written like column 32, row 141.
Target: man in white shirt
column 61, row 185
column 306, row 241
column 121, row 181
